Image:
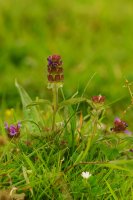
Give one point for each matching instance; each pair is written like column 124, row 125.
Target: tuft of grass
column 47, row 163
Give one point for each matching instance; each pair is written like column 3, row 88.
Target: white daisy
column 85, row 175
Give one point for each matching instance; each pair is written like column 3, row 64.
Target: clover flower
column 85, row 175
column 98, row 99
column 120, row 126
column 13, row 130
column 55, row 70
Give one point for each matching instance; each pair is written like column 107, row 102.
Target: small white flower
column 85, row 175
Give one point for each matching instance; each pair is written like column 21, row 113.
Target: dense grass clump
column 56, row 150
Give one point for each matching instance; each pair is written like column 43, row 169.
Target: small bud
column 57, row 78
column 119, row 126
column 98, row 99
column 50, row 78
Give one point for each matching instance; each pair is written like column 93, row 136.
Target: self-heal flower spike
column 55, row 70
column 85, row 175
column 98, row 99
column 54, row 61
column 119, row 126
column 13, row 130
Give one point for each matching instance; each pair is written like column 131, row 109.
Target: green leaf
column 25, row 98
column 32, row 113
column 125, row 165
column 72, row 113
column 71, row 102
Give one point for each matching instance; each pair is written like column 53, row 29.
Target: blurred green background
column 92, row 36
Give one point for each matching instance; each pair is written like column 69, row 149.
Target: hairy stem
column 55, row 104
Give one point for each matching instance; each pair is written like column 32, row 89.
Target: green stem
column 85, row 163
column 90, row 138
column 55, row 104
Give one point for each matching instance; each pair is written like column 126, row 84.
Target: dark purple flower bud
column 119, row 126
column 98, row 99
column 55, row 70
column 13, row 130
column 54, row 61
column 62, row 77
column 57, row 78
column 60, row 70
column 50, row 78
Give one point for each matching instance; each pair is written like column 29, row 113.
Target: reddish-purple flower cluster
column 55, row 70
column 120, row 126
column 13, row 130
column 98, row 99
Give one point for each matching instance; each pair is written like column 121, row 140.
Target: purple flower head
column 54, row 61
column 98, row 99
column 55, row 70
column 120, row 126
column 13, row 130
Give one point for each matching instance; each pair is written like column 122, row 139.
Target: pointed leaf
column 32, row 113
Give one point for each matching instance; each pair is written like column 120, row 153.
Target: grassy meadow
column 58, row 140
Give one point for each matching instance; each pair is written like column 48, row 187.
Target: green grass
column 91, row 36
column 94, row 39
column 45, row 163
column 44, row 167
